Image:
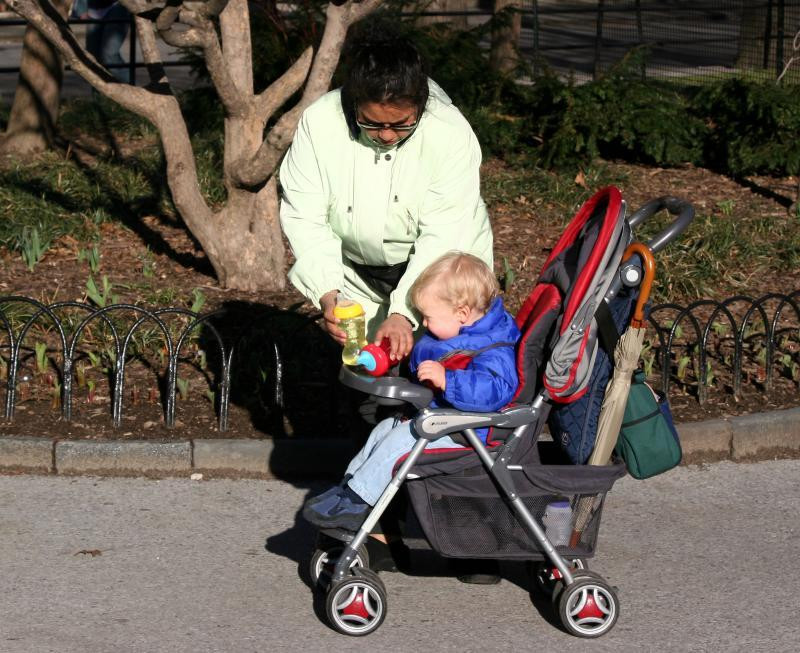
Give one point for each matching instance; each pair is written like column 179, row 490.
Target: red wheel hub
column 591, row 610
column 356, row 607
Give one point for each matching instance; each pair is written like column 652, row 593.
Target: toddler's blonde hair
column 461, row 279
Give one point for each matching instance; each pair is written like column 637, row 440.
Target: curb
column 747, row 438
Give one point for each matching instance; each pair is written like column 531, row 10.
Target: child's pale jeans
column 372, row 466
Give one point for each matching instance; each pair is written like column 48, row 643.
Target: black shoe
column 394, row 556
column 477, row 572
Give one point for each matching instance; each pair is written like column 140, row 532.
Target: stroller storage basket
column 466, row 516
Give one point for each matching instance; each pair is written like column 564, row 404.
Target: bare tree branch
column 46, row 20
column 201, row 34
column 359, row 10
column 213, row 7
column 138, row 7
column 793, row 58
column 261, row 166
column 232, row 98
column 337, row 23
column 150, row 52
column 237, row 47
column 167, row 17
column 268, row 101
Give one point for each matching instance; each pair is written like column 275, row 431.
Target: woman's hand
column 433, row 373
column 327, row 302
column 397, row 328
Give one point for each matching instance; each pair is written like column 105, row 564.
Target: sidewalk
column 747, row 438
column 92, row 565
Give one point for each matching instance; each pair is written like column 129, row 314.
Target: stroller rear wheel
column 589, row 607
column 325, row 557
column 356, row 605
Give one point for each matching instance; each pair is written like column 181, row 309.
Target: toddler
column 466, row 356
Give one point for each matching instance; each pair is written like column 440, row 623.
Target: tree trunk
column 34, row 112
column 250, row 253
column 504, row 56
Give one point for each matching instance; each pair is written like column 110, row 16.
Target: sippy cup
column 352, row 321
column 375, row 358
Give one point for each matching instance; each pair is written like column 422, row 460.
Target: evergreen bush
column 755, row 128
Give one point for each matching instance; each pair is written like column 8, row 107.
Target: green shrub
column 754, row 127
column 617, row 117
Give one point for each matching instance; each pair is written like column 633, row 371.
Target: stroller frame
column 587, row 605
column 432, row 424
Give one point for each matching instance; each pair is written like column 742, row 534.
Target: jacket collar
column 494, row 316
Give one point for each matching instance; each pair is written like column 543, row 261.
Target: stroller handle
column 678, row 207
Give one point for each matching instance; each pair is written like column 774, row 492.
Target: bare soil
column 156, row 263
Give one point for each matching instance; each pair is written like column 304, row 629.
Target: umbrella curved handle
column 649, row 267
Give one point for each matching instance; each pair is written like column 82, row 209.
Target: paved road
column 704, row 559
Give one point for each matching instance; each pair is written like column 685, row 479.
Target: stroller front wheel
column 325, row 557
column 356, row 605
column 589, row 607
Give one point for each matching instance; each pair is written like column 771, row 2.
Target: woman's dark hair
column 382, row 66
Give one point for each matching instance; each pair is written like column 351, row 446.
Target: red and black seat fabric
column 580, row 269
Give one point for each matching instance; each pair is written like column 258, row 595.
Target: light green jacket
column 349, row 199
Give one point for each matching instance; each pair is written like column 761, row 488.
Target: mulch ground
column 156, row 263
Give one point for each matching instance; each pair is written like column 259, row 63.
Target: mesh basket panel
column 486, row 527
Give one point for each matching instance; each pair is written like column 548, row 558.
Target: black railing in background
column 131, row 65
column 728, row 337
column 589, row 36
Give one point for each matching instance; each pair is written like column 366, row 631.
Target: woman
column 381, row 179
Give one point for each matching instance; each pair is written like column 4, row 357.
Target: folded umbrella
column 612, row 410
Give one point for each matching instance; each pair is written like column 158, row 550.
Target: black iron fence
column 707, row 38
column 703, row 347
column 740, row 337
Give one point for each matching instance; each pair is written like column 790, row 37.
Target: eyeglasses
column 400, row 129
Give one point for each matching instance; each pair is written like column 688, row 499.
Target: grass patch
column 100, row 115
column 724, row 250
column 114, row 169
column 556, row 192
column 58, row 197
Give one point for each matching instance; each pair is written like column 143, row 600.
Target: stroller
column 516, row 497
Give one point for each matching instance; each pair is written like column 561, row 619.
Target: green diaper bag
column 648, row 442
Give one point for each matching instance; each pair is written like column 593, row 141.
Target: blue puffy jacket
column 489, row 380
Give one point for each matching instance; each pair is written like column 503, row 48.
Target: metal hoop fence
column 740, row 338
